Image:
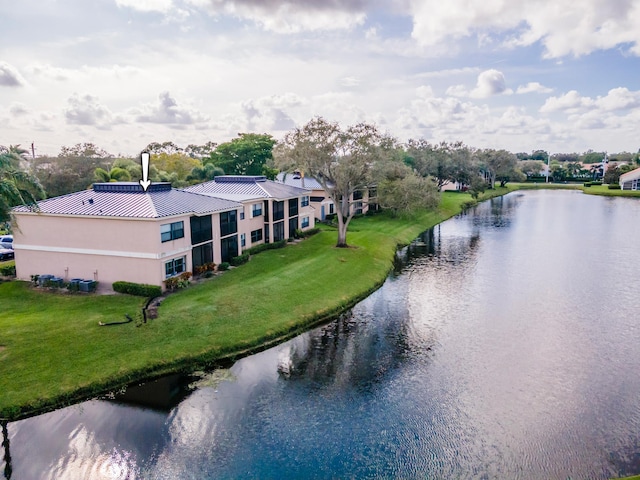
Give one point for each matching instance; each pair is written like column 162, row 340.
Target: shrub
column 8, row 270
column 138, row 289
column 207, row 267
column 587, row 184
column 171, row 283
column 240, row 259
column 223, row 266
column 613, row 187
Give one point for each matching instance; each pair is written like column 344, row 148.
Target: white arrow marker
column 145, row 182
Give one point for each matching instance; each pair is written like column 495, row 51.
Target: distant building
column 630, row 180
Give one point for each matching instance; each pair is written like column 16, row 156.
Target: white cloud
column 87, row 110
column 162, row 6
column 489, row 83
column 563, row 27
column 533, row 87
column 18, row 109
column 10, row 77
column 167, row 111
column 271, row 113
column 620, row 98
column 293, row 16
column 570, row 102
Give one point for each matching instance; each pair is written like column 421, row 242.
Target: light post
column 548, row 167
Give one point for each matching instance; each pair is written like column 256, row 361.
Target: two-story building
column 271, row 212
column 361, row 201
column 118, row 231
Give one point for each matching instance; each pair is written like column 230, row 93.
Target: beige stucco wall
column 103, row 249
column 250, row 224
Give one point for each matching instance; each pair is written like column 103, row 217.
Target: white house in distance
column 271, row 211
column 630, row 180
column 117, row 231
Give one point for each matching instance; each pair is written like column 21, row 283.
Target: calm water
column 507, row 347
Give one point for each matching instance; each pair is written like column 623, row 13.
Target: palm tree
column 115, row 174
column 17, row 187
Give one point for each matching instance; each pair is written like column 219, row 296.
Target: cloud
column 162, row 6
column 560, row 26
column 489, row 83
column 270, row 113
column 533, row 87
column 18, row 109
column 87, row 110
column 167, row 111
column 10, row 77
column 293, row 16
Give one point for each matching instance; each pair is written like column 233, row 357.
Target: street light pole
column 548, row 167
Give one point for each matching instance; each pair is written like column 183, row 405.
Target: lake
column 505, row 345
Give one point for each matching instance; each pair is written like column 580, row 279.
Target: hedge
column 138, row 289
column 8, row 270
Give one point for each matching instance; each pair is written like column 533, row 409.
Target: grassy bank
column 52, row 350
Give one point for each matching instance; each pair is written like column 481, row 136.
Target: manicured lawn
column 53, row 351
column 604, row 190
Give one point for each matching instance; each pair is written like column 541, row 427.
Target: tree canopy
column 249, row 154
column 342, row 160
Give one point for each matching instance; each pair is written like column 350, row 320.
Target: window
column 305, row 222
column 256, row 235
column 332, row 208
column 201, row 229
column 357, row 195
column 174, row 267
column 202, row 254
column 228, row 223
column 278, row 211
column 229, row 248
column 256, row 210
column 316, row 199
column 293, row 207
column 293, row 226
column 171, row 231
column 242, row 215
column 305, row 201
column 243, row 240
column 278, row 231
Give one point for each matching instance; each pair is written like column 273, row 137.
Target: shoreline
column 188, row 314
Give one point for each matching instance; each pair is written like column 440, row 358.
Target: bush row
column 592, row 184
column 138, row 289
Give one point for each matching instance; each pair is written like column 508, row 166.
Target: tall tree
column 17, row 187
column 499, row 165
column 156, row 148
column 341, row 160
column 72, row 170
column 249, row 154
column 401, row 190
column 200, row 151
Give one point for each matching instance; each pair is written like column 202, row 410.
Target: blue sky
column 514, row 74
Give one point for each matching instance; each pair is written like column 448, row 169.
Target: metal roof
column 242, row 188
column 124, row 200
column 296, row 180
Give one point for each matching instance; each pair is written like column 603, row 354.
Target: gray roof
column 296, row 180
column 246, row 187
column 129, row 200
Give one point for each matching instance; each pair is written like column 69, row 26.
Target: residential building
column 271, row 212
column 361, row 201
column 630, row 180
column 118, row 231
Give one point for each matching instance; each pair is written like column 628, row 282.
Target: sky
column 561, row 76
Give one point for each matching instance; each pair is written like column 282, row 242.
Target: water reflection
column 506, row 348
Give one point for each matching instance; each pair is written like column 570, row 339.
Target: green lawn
column 53, row 351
